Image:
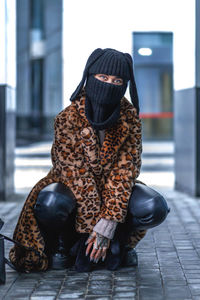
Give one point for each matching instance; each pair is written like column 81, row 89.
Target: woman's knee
column 54, row 204
column 147, row 207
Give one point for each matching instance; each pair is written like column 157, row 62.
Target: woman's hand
column 100, row 246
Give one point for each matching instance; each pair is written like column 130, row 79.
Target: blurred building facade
column 7, row 96
column 54, row 39
column 187, row 118
column 153, row 61
column 168, row 83
column 39, row 67
column 136, row 27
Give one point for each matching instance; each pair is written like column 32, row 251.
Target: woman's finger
column 94, row 250
column 91, row 237
column 90, row 242
column 88, row 248
column 93, row 253
column 104, row 252
column 98, row 255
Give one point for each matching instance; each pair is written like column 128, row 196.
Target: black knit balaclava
column 102, row 104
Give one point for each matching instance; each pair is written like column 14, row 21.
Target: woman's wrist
column 106, row 228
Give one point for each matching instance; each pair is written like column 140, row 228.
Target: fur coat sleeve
column 119, row 184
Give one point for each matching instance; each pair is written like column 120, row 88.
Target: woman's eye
column 118, row 81
column 103, row 77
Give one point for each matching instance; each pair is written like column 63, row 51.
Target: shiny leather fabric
column 55, row 212
column 147, row 207
column 54, row 204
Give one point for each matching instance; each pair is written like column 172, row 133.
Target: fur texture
column 101, row 178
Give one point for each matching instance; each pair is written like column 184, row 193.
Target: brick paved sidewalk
column 169, row 263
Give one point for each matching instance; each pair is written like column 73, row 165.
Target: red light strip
column 161, row 115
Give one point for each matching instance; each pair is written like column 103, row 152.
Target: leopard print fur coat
column 100, row 177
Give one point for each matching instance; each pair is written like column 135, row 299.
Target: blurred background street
column 169, row 255
column 33, row 162
column 44, row 47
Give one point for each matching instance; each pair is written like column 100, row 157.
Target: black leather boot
column 60, row 259
column 130, row 258
column 55, row 211
column 82, row 263
column 115, row 255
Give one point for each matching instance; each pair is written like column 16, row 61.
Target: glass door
column 153, row 67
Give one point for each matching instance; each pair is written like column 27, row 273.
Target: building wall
column 7, row 96
column 187, row 115
column 50, row 53
column 23, row 70
column 109, row 24
column 73, row 29
column 53, row 61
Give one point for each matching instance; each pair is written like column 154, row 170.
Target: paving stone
column 125, row 288
column 185, row 262
column 96, row 297
column 169, row 264
column 67, row 285
column 195, row 289
column 171, row 270
column 45, row 292
column 72, row 289
column 50, row 281
column 148, row 266
column 173, row 277
column 177, row 293
column 122, row 298
column 99, row 277
column 45, row 286
column 124, row 294
column 74, row 295
column 42, row 297
column 130, row 272
column 19, row 297
column 191, row 267
column 150, row 293
column 174, row 282
column 99, row 292
column 193, row 280
column 100, row 285
column 124, row 283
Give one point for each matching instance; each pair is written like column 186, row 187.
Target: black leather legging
column 147, row 208
column 55, row 209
